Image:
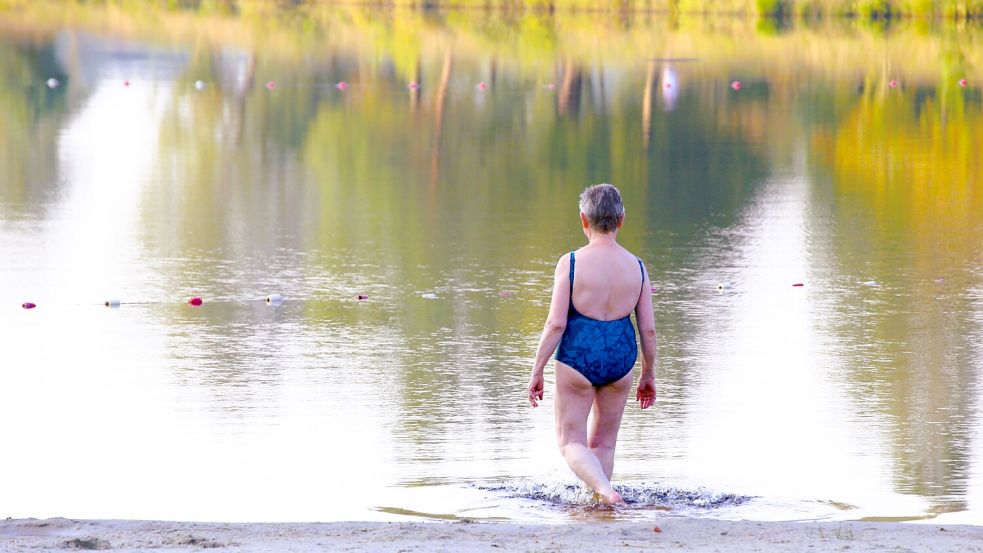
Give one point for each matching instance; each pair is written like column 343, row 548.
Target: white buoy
column 274, row 299
column 52, row 83
column 112, row 303
column 200, row 85
column 870, row 283
column 430, row 296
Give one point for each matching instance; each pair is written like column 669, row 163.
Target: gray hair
column 602, row 205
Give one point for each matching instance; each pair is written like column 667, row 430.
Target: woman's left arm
column 556, row 323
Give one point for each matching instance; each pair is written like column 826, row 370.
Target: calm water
column 857, row 395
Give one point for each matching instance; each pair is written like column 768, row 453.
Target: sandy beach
column 670, row 534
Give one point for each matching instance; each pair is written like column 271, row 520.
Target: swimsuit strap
column 642, row 269
column 573, row 261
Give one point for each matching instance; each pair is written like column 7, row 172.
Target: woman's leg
column 574, row 397
column 609, row 406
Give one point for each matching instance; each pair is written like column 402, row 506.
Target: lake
column 807, row 196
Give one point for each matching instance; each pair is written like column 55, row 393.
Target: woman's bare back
column 607, row 282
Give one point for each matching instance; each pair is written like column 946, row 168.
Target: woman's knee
column 570, row 434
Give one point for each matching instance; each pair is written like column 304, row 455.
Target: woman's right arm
column 556, row 323
column 645, row 317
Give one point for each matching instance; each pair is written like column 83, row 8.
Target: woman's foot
column 611, row 498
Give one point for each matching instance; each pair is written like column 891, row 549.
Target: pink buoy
column 550, row 86
column 736, row 85
column 28, row 305
column 413, row 86
column 126, row 83
column 270, row 85
column 505, row 294
column 654, row 289
column 798, row 285
column 893, row 84
column 342, row 85
column 482, row 86
column 962, row 83
column 195, row 301
column 361, row 297
column 668, row 85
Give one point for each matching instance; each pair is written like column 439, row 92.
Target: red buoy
column 736, row 85
column 270, row 85
column 962, row 83
column 195, row 301
column 798, row 284
column 28, row 305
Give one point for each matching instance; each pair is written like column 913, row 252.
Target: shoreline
column 676, row 534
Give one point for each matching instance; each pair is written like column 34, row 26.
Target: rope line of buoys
column 278, row 299
column 735, row 85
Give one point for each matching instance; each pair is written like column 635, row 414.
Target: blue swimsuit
column 602, row 351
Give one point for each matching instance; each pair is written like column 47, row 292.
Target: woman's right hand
column 536, row 383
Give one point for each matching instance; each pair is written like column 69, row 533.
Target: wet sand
column 670, row 534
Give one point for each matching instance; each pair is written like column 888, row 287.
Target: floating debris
column 870, row 283
column 361, row 297
column 112, row 303
column 200, row 85
column 274, row 299
column 28, row 305
column 52, row 83
column 429, row 296
column 505, row 294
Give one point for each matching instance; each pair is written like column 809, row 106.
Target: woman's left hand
column 646, row 391
column 536, row 383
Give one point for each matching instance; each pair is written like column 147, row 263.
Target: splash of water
column 648, row 494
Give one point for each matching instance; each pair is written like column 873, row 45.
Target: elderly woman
column 595, row 290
